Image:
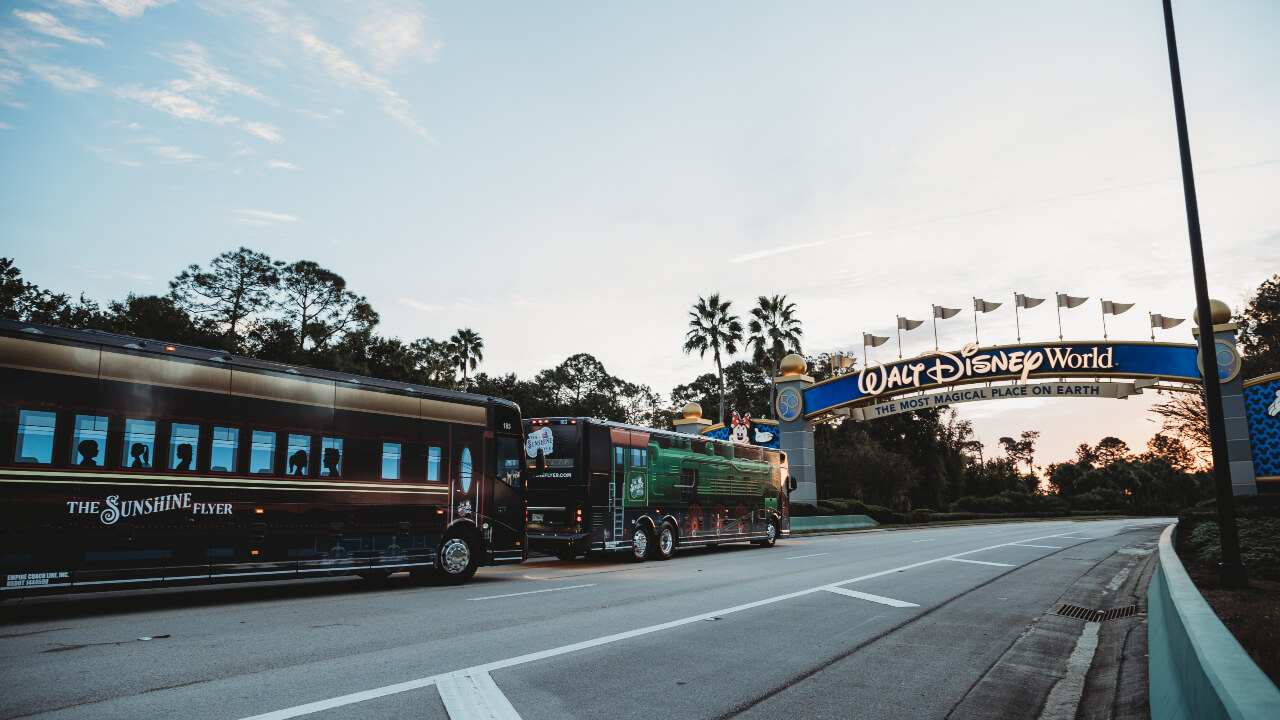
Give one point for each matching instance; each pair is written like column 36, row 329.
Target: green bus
column 599, row 486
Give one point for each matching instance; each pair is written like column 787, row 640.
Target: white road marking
column 1047, row 547
column 474, row 696
column 981, row 562
column 805, row 556
column 929, row 540
column 1118, row 580
column 532, row 592
column 873, row 598
column 1064, row 698
column 321, row 705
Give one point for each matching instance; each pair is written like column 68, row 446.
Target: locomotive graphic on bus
column 595, row 485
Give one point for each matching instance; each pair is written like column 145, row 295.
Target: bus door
column 507, row 508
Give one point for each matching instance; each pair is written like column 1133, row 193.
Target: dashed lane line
column 981, row 562
column 533, row 592
column 365, row 695
column 474, row 696
column 797, row 557
column 868, row 596
column 1047, row 547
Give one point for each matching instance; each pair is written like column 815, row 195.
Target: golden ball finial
column 1218, row 310
column 792, row 365
column 692, row 411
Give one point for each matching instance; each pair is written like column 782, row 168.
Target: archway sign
column 1009, row 372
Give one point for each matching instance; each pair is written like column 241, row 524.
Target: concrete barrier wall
column 832, row 522
column 1197, row 669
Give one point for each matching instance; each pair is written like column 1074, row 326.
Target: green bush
column 803, row 510
column 1259, row 545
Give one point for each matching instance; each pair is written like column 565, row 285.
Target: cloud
column 176, row 104
column 424, row 307
column 760, row 254
column 45, row 23
column 263, row 130
column 131, row 8
column 65, row 78
column 339, row 68
column 264, row 217
column 206, row 79
column 5, row 126
column 175, row 153
column 109, row 155
column 394, row 35
column 281, row 165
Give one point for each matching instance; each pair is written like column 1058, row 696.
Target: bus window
column 139, row 443
column 390, row 461
column 183, row 441
column 89, row 441
column 638, row 458
column 433, row 464
column 225, row 443
column 464, row 469
column 299, row 447
column 262, row 458
column 35, row 437
column 331, row 457
column 509, row 461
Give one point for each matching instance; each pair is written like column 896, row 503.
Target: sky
column 572, row 176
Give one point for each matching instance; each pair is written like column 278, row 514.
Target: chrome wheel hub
column 455, row 556
column 640, row 542
column 666, row 541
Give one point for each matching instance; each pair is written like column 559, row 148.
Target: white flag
column 1066, row 301
column 980, row 305
column 1165, row 323
column 1025, row 302
column 874, row 340
column 905, row 324
column 1114, row 308
column 944, row 313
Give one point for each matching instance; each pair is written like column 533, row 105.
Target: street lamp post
column 1232, row 570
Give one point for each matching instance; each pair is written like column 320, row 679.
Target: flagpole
column 1104, row 318
column 935, row 328
column 1017, row 322
column 975, row 322
column 1058, row 302
column 899, row 337
column 1232, row 570
column 1152, row 320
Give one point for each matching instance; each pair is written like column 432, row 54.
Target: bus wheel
column 666, row 543
column 771, row 537
column 641, row 539
column 456, row 559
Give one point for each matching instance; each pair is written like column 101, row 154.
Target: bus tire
column 772, row 538
column 665, row 544
column 456, row 558
column 641, row 543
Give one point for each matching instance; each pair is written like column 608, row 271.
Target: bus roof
column 222, row 358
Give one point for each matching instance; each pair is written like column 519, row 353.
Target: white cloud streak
column 131, row 8
column 342, row 70
column 174, row 153
column 416, row 305
column 176, row 104
column 395, row 35
column 65, row 78
column 761, row 254
column 281, row 165
column 263, row 130
column 264, row 217
column 47, row 24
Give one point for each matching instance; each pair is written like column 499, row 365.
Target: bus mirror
column 791, row 483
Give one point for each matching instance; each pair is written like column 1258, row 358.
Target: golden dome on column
column 792, row 365
column 692, row 411
column 1218, row 310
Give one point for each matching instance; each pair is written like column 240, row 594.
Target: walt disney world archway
column 1113, row 370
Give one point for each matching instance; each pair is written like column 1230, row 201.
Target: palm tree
column 711, row 327
column 468, row 350
column 775, row 331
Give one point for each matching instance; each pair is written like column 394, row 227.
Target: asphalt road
column 925, row 623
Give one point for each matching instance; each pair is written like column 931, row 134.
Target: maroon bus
column 130, row 463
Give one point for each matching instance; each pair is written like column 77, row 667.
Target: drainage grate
column 1083, row 613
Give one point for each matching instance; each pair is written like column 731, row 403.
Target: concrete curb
column 1196, row 667
column 832, row 522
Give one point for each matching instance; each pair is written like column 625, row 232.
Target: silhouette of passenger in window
column 141, row 455
column 88, row 450
column 184, row 457
column 332, row 456
column 298, row 463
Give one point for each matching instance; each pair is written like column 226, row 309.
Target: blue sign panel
column 761, row 433
column 1176, row 363
column 1262, row 410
